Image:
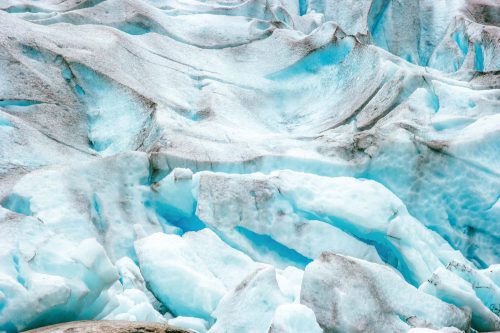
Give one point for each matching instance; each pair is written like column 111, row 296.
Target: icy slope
column 251, row 166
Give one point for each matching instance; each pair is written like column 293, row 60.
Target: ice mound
column 335, row 285
column 251, row 166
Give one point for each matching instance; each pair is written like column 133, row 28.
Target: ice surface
column 257, row 296
column 429, row 330
column 294, row 318
column 466, row 287
column 251, row 166
column 296, row 210
column 195, row 324
column 102, row 199
column 335, row 285
column 46, row 278
column 178, row 276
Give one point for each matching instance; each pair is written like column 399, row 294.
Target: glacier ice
column 257, row 296
column 334, row 285
column 194, row 324
column 251, row 165
column 179, row 276
column 46, row 278
column 464, row 286
column 294, row 318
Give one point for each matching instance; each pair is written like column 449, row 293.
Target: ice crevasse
column 254, row 166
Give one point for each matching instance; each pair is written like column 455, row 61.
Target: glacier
column 260, row 166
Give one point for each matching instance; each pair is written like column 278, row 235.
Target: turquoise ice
column 251, row 166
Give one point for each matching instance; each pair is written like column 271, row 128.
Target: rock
column 109, row 326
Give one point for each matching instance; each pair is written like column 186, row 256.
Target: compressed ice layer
column 402, row 93
column 284, row 204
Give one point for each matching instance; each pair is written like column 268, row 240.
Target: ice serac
column 253, row 166
column 135, row 301
column 198, row 259
column 292, row 215
column 334, row 285
column 467, row 287
column 40, row 283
